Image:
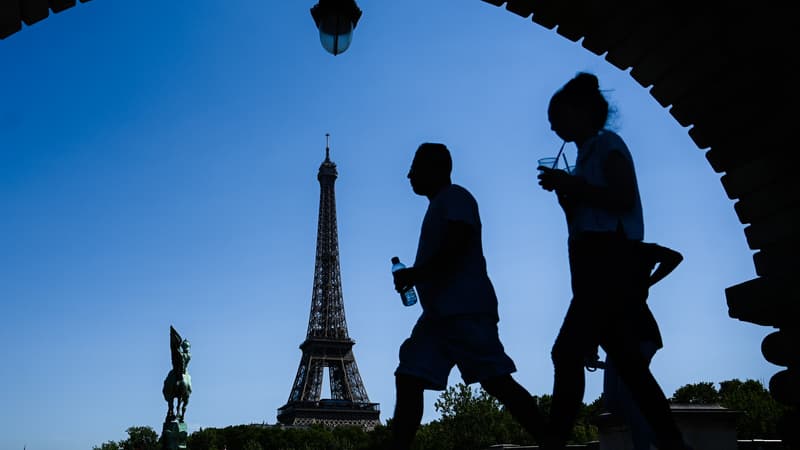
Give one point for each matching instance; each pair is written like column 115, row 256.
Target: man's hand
column 553, row 179
column 404, row 278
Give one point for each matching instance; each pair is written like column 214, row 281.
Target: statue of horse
column 178, row 384
column 177, row 387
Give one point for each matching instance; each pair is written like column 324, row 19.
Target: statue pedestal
column 174, row 435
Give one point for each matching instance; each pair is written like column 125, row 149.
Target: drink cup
column 551, row 163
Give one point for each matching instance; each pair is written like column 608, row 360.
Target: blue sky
column 158, row 167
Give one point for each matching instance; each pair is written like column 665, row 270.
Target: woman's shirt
column 583, row 217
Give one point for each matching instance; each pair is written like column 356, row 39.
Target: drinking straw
column 566, row 164
column 555, row 163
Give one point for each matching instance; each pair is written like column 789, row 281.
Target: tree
column 204, row 439
column 110, row 445
column 584, row 430
column 760, row 412
column 252, row 445
column 140, row 438
column 261, row 436
column 471, row 419
column 380, row 436
column 462, row 400
column 703, row 393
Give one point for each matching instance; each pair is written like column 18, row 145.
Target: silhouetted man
column 458, row 325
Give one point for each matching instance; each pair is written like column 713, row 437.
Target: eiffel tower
column 327, row 343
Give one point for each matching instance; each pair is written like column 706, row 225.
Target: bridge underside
column 722, row 68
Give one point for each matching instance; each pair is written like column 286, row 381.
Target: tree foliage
column 473, row 419
column 263, row 437
column 702, row 393
column 469, row 419
column 759, row 412
column 110, row 445
column 139, row 438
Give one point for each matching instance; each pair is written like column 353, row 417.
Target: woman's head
column 578, row 110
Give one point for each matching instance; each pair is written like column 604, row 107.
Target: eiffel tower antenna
column 327, row 146
column 327, row 343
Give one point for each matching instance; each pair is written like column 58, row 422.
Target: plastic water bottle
column 409, row 296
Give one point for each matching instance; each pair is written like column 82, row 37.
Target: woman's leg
column 645, row 391
column 574, row 341
column 617, row 398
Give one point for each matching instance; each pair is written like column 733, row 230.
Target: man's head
column 430, row 170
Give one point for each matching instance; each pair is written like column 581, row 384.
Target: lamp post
column 336, row 20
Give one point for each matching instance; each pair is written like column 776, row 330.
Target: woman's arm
column 668, row 259
column 618, row 195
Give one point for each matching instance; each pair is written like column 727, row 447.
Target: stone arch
column 15, row 13
column 721, row 68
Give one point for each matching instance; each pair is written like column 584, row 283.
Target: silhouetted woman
column 604, row 215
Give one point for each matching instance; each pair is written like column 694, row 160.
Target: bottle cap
column 395, row 260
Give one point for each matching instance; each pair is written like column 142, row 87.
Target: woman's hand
column 554, row 179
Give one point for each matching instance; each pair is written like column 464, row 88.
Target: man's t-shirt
column 467, row 290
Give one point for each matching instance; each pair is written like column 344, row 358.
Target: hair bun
column 586, row 82
column 583, row 92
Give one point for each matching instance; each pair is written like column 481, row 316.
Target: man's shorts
column 469, row 342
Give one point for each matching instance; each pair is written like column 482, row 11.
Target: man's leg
column 519, row 402
column 407, row 410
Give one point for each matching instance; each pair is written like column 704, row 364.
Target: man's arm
column 457, row 239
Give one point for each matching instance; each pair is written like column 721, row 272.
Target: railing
column 334, row 404
column 760, row 444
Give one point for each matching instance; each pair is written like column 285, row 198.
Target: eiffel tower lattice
column 327, row 343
